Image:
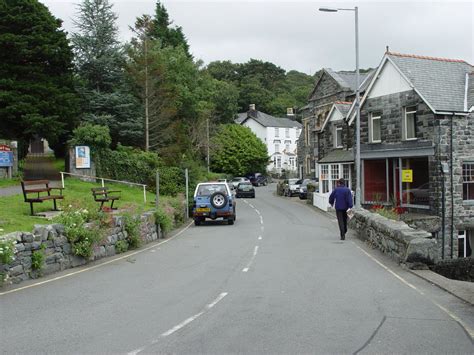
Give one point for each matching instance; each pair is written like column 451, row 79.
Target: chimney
column 252, row 111
column 252, row 107
column 290, row 112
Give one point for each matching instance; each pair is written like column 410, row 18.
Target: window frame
column 469, row 183
column 337, row 144
column 287, row 133
column 405, row 125
column 277, row 132
column 372, row 117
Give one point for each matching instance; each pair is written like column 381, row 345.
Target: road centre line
column 98, row 265
column 255, row 251
column 183, row 323
column 468, row 330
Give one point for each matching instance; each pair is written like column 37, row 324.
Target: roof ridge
column 426, row 57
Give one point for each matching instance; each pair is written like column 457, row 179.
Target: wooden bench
column 42, row 190
column 103, row 195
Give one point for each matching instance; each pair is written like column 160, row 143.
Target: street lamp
column 358, row 173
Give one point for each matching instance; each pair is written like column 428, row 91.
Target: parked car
column 292, row 187
column 257, row 179
column 238, row 179
column 213, row 200
column 245, row 189
column 303, row 191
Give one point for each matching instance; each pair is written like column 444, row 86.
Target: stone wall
column 395, row 238
column 458, row 269
column 58, row 251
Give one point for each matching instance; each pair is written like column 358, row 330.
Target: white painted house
column 279, row 134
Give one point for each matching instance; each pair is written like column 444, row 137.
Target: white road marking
column 255, row 251
column 251, row 205
column 258, row 212
column 190, row 319
column 261, row 220
column 449, row 313
column 152, row 251
column 98, row 265
column 260, row 237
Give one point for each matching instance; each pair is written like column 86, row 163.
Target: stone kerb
column 58, row 251
column 395, row 238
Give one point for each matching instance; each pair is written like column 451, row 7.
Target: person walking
column 341, row 199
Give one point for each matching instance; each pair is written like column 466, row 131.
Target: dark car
column 303, row 192
column 245, row 189
column 258, row 179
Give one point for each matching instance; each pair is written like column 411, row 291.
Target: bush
column 37, row 259
column 7, row 251
column 95, row 136
column 163, row 220
column 132, row 227
column 121, row 246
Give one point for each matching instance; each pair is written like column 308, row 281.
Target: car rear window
column 208, row 190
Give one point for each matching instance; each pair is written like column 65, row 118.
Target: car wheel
column 197, row 221
column 218, row 200
column 230, row 221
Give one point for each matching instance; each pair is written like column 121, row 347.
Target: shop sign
column 83, row 157
column 407, row 175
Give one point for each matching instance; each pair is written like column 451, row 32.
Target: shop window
column 468, row 181
column 417, row 191
column 324, row 178
column 374, row 128
column 409, row 123
column 346, row 172
column 334, row 174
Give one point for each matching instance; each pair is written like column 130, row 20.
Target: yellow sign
column 407, row 175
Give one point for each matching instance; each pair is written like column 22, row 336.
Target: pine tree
column 37, row 96
column 107, row 95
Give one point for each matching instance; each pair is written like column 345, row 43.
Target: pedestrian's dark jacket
column 343, row 197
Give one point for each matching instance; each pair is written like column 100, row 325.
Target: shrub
column 163, row 220
column 95, row 136
column 178, row 210
column 7, row 251
column 121, row 246
column 37, row 259
column 132, row 227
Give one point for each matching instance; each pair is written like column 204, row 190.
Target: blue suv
column 213, row 200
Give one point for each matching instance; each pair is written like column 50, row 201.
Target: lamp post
column 358, row 171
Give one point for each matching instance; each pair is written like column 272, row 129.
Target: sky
column 296, row 36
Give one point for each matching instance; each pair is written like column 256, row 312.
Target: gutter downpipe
column 452, row 187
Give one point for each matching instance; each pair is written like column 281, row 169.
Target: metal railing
column 104, row 179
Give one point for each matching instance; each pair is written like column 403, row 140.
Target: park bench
column 37, row 191
column 103, row 195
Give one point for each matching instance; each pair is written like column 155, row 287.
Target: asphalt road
column 278, row 281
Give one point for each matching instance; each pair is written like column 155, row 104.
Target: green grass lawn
column 9, row 182
column 15, row 213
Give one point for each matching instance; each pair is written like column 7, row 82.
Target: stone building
column 330, row 87
column 417, row 148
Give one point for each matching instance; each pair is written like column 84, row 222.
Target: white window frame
column 337, row 144
column 277, row 147
column 374, row 117
column 405, row 126
column 277, row 132
column 463, row 235
column 287, row 133
column 471, row 183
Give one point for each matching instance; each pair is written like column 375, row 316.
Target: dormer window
column 409, row 123
column 374, row 128
column 338, row 137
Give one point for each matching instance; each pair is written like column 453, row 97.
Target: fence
column 103, row 180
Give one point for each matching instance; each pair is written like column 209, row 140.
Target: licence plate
column 203, row 210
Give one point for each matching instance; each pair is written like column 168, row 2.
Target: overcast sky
column 294, row 35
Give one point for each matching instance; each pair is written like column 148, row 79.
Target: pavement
column 463, row 290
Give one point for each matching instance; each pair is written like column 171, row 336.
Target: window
column 306, row 133
column 292, row 162
column 338, row 137
column 334, row 174
column 374, row 128
column 468, row 181
column 346, row 172
column 287, row 147
column 464, row 247
column 287, row 132
column 409, row 123
column 277, row 132
column 278, row 164
column 324, row 178
column 297, row 132
column 277, row 147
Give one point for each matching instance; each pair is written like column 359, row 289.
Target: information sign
column 407, row 175
column 83, row 157
column 6, row 159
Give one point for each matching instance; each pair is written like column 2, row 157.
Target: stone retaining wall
column 395, row 238
column 457, row 269
column 58, row 251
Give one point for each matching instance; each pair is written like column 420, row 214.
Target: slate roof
column 441, row 82
column 347, row 79
column 240, row 117
column 268, row 120
column 343, row 107
column 338, row 156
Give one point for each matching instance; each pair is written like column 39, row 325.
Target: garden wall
column 57, row 251
column 457, row 269
column 395, row 238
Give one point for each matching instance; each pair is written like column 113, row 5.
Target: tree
column 236, row 150
column 107, row 95
column 162, row 30
column 37, row 96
